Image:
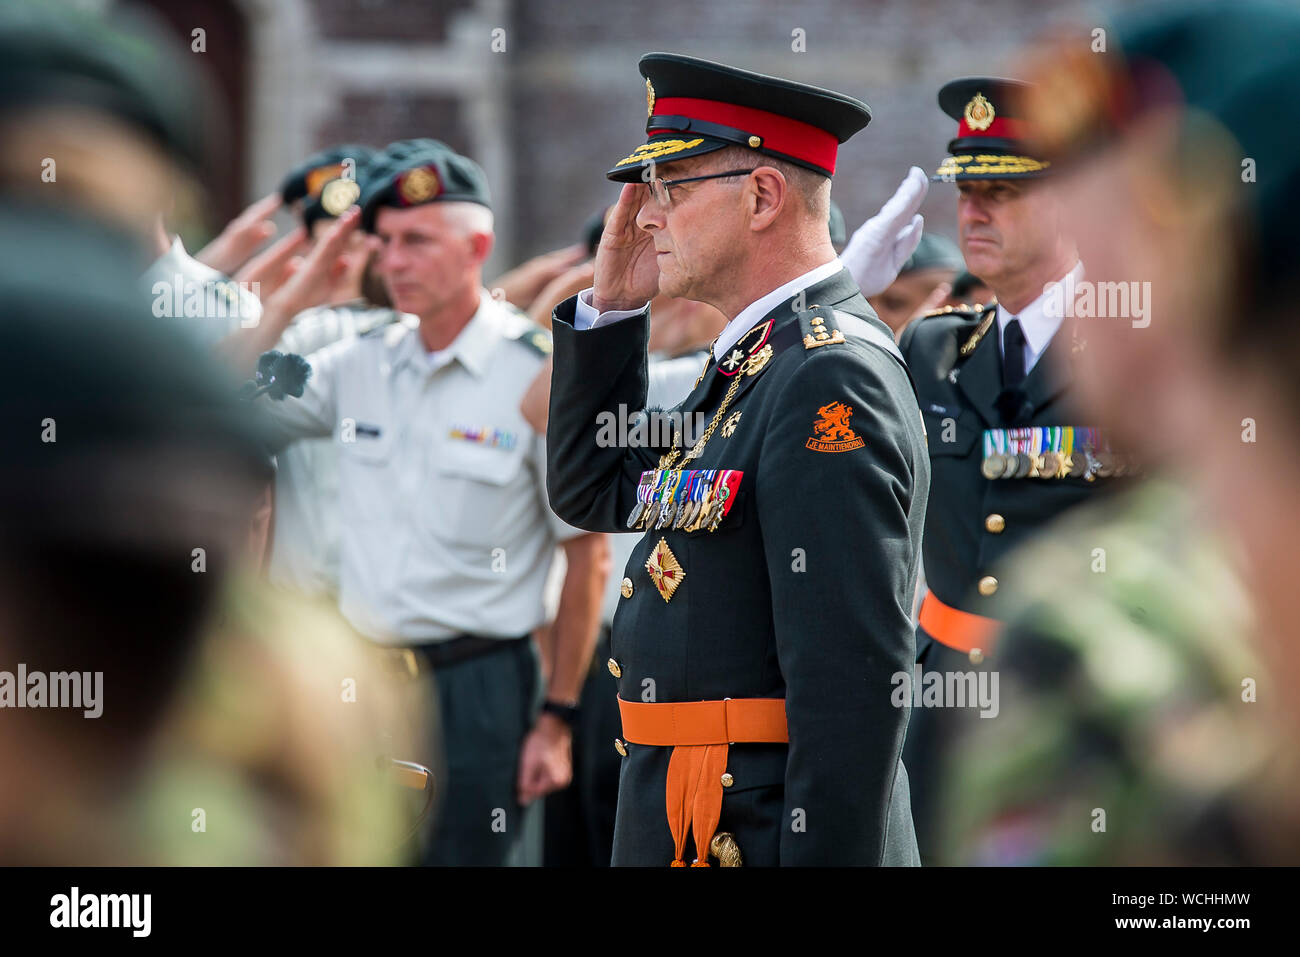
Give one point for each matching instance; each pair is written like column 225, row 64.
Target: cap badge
column 338, row 194
column 979, row 113
column 419, row 185
column 649, row 98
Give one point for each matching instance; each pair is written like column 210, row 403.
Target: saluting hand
column 241, row 236
column 627, row 275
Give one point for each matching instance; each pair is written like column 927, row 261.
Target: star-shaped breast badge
column 665, row 571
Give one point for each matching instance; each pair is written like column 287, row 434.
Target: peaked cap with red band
column 993, row 137
column 697, row 106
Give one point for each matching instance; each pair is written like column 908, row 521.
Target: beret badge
column 419, row 185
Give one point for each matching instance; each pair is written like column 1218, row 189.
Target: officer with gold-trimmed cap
column 755, row 698
column 1008, row 449
column 991, row 135
column 696, row 107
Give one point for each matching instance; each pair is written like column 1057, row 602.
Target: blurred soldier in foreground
column 98, row 115
column 212, row 724
column 1140, row 723
column 447, row 536
column 1008, row 447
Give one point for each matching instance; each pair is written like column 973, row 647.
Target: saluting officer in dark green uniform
column 1007, row 449
column 767, row 606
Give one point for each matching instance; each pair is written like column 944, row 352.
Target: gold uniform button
column 614, row 669
column 727, row 780
column 988, row 585
column 625, row 589
column 620, row 747
column 995, row 523
column 755, row 141
column 976, row 656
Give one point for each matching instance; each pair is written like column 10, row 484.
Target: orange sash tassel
column 700, row 733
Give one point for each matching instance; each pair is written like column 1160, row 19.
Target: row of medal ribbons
column 684, row 499
column 1052, row 452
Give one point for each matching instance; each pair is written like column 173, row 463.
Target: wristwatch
column 565, row 712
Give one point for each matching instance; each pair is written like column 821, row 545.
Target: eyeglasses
column 659, row 188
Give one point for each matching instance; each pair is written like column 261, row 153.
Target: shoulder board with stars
column 824, row 326
column 819, row 327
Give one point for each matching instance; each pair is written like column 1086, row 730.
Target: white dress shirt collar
column 1036, row 321
column 749, row 317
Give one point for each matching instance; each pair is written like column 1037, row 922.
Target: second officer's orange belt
column 699, row 733
column 961, row 630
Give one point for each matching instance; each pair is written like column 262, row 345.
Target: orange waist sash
column 963, row 631
column 699, row 732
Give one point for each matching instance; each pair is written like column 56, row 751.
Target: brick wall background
column 551, row 112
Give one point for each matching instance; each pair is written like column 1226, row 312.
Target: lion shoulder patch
column 833, row 432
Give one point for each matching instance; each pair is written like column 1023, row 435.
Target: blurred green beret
column 52, row 53
column 1231, row 73
column 415, row 172
column 307, row 178
column 144, row 426
column 934, row 252
column 327, row 182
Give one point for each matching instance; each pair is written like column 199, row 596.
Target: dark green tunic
column 804, row 592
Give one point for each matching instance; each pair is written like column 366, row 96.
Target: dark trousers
column 579, row 830
column 932, row 733
column 487, row 705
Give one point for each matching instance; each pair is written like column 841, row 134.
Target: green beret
column 1238, row 63
column 306, row 179
column 127, row 415
column 52, row 53
column 415, row 172
column 1232, row 74
column 934, row 252
column 328, row 182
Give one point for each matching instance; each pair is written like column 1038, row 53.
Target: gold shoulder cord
column 670, row 458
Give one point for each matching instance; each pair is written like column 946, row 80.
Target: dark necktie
column 1013, row 355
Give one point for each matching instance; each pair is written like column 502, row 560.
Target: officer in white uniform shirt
column 446, row 532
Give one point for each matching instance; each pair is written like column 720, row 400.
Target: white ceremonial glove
column 882, row 244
